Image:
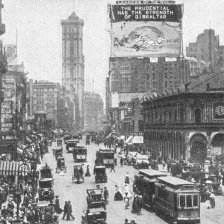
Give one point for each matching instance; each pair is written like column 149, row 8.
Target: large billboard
column 146, row 30
column 146, row 39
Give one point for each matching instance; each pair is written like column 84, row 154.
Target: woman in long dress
column 118, row 196
column 87, row 171
column 126, row 200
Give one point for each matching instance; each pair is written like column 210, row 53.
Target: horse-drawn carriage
column 94, row 216
column 100, row 174
column 78, row 174
column 95, row 198
column 61, row 164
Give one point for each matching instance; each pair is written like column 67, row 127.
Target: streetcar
column 177, row 199
column 144, row 184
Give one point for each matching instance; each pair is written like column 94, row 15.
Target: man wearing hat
column 4, row 212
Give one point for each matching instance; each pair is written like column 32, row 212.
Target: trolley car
column 144, row 184
column 177, row 200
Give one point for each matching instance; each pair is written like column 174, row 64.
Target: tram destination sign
column 152, row 12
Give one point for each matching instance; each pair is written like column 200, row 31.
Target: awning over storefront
column 138, row 140
column 129, row 140
column 13, row 168
column 135, row 140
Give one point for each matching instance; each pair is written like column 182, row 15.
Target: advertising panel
column 152, row 12
column 146, row 39
column 9, row 91
column 6, row 107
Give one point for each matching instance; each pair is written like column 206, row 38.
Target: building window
column 197, row 115
column 181, row 114
column 71, row 49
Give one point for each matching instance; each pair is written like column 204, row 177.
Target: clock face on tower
column 218, row 110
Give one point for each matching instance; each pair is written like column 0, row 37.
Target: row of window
column 184, row 201
column 164, row 116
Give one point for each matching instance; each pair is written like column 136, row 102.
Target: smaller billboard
column 150, row 12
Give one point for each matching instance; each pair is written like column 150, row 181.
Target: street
column 76, row 193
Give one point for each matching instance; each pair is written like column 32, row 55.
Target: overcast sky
column 39, row 33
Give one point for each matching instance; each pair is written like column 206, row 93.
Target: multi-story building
column 73, row 64
column 191, row 50
column 206, row 48
column 65, row 110
column 188, row 124
column 197, row 67
column 221, row 56
column 3, row 61
column 93, row 111
column 45, row 100
column 144, row 74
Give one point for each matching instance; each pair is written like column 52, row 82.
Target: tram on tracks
column 177, row 199
column 144, row 184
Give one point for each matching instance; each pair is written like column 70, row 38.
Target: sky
column 39, row 34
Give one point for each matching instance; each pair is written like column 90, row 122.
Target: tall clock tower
column 73, row 64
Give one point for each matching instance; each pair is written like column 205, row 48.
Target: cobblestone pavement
column 76, row 193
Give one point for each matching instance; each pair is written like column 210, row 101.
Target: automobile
column 130, row 158
column 94, row 216
column 105, row 157
column 100, row 174
column 95, row 198
column 59, row 142
column 80, row 154
column 67, row 137
column 78, row 174
column 61, row 164
column 141, row 162
column 45, row 190
column 71, row 144
column 93, row 137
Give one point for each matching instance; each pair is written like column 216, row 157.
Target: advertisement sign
column 11, row 53
column 218, row 110
column 146, row 39
column 6, row 107
column 152, row 12
column 9, row 92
